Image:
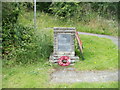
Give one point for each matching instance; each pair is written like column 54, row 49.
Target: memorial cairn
column 64, row 49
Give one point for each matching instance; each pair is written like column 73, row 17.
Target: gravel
column 70, row 75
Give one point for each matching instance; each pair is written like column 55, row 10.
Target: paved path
column 114, row 39
column 70, row 75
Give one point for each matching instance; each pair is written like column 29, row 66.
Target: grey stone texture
column 64, row 44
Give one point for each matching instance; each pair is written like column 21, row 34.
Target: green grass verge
column 99, row 53
column 87, row 85
column 38, row 76
column 27, row 76
column 45, row 20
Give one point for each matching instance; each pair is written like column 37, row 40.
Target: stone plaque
column 64, row 43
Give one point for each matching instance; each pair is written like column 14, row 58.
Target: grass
column 29, row 76
column 97, row 25
column 0, row 73
column 99, row 53
column 88, row 85
column 38, row 76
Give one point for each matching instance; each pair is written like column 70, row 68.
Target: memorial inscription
column 64, row 43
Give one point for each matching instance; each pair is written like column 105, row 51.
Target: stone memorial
column 64, row 44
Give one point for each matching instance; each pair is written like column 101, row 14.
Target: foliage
column 97, row 25
column 16, row 37
column 29, row 46
column 22, row 44
column 109, row 10
column 84, row 11
column 94, row 17
column 44, row 42
column 43, row 6
column 10, row 12
column 63, row 9
column 18, row 42
column 69, row 10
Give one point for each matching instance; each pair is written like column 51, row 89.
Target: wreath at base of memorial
column 64, row 61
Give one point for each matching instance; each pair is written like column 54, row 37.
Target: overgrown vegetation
column 89, row 17
column 83, row 11
column 20, row 42
column 16, row 37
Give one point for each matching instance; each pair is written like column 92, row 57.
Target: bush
column 82, row 11
column 17, row 38
column 29, row 46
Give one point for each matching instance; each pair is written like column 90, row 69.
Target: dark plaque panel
column 64, row 42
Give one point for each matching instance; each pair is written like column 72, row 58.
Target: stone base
column 54, row 58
